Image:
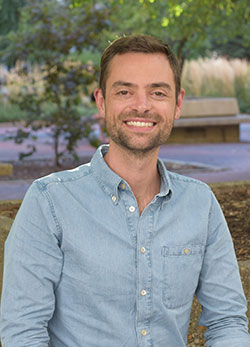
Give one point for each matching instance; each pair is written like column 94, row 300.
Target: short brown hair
column 138, row 44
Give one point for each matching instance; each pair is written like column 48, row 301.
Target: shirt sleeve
column 32, row 269
column 220, row 292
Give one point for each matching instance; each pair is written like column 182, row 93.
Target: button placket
column 144, row 302
column 142, row 250
column 131, row 209
column 187, row 251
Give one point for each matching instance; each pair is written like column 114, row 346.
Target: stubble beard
column 124, row 140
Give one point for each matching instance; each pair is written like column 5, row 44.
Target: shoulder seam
column 187, row 179
column 56, row 179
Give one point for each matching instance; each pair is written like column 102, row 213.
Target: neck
column 139, row 171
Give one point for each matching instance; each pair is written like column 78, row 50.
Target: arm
column 32, row 268
column 220, row 291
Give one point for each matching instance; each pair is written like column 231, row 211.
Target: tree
column 50, row 31
column 190, row 26
column 233, row 48
column 9, row 15
column 9, row 19
column 230, row 35
column 182, row 23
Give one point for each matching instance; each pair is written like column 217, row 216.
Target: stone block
column 209, row 134
column 209, row 107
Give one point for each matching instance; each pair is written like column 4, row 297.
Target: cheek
column 118, row 105
column 170, row 108
column 113, row 111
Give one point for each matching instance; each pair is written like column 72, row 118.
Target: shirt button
column 131, row 209
column 143, row 292
column 143, row 250
column 123, row 186
column 187, row 251
column 114, row 198
column 143, row 332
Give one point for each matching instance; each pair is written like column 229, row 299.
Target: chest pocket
column 181, row 270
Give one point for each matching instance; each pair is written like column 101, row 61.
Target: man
column 111, row 254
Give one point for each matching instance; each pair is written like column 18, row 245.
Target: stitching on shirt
column 211, row 236
column 53, row 212
column 102, row 184
column 179, row 250
column 52, row 209
column 209, row 217
column 164, row 175
column 56, row 177
column 182, row 178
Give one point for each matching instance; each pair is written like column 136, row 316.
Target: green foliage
column 9, row 18
column 184, row 23
column 49, row 33
column 10, row 113
column 190, row 26
column 242, row 92
column 229, row 36
column 233, row 48
column 9, row 15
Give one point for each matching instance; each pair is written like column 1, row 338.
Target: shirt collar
column 107, row 178
column 110, row 181
column 166, row 187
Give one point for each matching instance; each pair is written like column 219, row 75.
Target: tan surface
column 203, row 107
column 5, row 169
column 205, row 134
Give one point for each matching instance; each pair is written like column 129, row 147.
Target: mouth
column 140, row 124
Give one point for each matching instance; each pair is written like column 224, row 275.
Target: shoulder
column 63, row 177
column 190, row 189
column 180, row 183
column 187, row 182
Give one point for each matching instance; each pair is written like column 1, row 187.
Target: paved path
column 217, row 162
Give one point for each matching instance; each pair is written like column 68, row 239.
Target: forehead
column 140, row 68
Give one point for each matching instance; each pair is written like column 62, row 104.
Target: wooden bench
column 208, row 120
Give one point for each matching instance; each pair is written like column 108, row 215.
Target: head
column 139, row 94
column 138, row 44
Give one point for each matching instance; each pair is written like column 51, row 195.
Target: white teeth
column 140, row 124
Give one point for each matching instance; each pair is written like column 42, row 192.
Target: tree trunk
column 180, row 55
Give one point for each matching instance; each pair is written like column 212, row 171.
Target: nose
column 141, row 103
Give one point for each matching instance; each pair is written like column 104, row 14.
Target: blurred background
column 50, row 52
column 49, row 67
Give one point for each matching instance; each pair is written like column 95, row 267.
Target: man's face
column 140, row 102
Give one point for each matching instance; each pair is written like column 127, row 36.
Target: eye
column 123, row 92
column 159, row 94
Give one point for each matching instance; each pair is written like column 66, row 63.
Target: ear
column 100, row 102
column 179, row 103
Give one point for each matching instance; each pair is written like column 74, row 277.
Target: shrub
column 218, row 77
column 50, row 85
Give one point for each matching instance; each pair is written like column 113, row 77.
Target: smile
column 140, row 124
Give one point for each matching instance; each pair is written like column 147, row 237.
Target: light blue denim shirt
column 84, row 269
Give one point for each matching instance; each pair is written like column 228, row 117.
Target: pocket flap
column 187, row 250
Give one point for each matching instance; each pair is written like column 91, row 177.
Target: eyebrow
column 161, row 85
column 123, row 83
column 152, row 85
